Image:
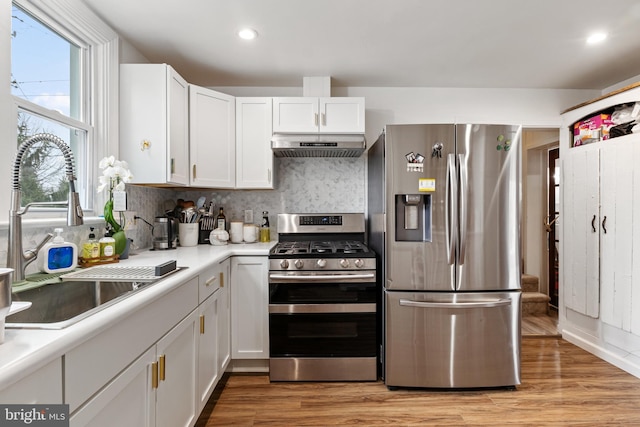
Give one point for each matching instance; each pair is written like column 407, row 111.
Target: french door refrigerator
column 444, row 215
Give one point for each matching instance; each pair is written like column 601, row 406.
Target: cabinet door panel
column 207, row 349
column 175, row 396
column 250, row 299
column 616, row 238
column 178, row 111
column 224, row 319
column 212, row 138
column 298, row 114
column 254, row 158
column 580, row 239
column 635, row 199
column 128, row 400
column 43, row 386
column 342, row 115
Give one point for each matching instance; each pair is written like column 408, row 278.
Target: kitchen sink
column 63, row 301
column 60, row 304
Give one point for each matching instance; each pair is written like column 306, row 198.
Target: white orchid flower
column 107, row 161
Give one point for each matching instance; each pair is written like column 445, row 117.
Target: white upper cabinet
column 154, row 113
column 212, row 138
column 318, row 115
column 254, row 158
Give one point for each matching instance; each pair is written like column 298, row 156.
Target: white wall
column 533, row 108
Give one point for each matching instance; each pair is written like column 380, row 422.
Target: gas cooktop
column 324, row 248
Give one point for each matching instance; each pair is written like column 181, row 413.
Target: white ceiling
column 431, row 43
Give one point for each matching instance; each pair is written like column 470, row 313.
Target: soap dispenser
column 58, row 256
column 90, row 248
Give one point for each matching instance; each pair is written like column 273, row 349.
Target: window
column 64, row 63
column 48, row 73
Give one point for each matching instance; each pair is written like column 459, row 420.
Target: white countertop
column 25, row 350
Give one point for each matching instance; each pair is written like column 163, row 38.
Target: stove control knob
column 284, row 264
column 298, row 263
column 321, row 263
column 344, row 263
column 359, row 263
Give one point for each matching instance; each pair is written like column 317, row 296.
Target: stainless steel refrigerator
column 444, row 215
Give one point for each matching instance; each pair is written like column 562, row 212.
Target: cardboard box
column 593, row 129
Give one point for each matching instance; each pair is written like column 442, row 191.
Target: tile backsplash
column 309, row 185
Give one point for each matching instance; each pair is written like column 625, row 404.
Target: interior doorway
column 551, row 225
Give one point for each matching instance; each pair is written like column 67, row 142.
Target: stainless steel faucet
column 17, row 259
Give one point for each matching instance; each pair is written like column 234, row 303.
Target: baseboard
column 618, row 360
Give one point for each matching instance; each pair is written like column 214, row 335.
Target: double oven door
column 322, row 327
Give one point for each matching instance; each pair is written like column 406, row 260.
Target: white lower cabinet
column 158, row 389
column 208, row 374
column 249, row 307
column 177, row 363
column 43, row 386
column 158, row 366
column 224, row 319
column 129, row 400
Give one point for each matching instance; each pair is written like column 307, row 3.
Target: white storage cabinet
column 212, row 132
column 254, row 157
column 154, row 114
column 249, row 307
column 318, row 115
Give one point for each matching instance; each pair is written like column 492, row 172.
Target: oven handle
column 321, row 277
column 475, row 304
column 322, row 308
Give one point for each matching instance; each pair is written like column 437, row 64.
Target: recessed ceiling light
column 247, row 34
column 596, row 38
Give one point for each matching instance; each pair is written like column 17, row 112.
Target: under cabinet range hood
column 318, row 145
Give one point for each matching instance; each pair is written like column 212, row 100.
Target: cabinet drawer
column 211, row 279
column 93, row 363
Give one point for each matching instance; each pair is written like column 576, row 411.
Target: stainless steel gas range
column 322, row 300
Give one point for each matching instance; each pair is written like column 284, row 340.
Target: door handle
column 604, row 224
column 450, row 213
column 548, row 224
column 464, row 196
column 456, row 305
column 593, row 223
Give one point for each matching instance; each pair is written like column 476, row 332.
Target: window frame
column 99, row 105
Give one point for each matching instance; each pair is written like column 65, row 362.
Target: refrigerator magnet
column 426, row 184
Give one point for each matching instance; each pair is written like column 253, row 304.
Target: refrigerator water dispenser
column 413, row 217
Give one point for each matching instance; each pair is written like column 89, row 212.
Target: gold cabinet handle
column 202, row 324
column 173, row 165
column 210, row 281
column 222, row 279
column 162, row 367
column 194, row 171
column 315, row 121
column 154, row 375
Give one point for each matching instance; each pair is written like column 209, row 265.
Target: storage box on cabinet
column 92, row 364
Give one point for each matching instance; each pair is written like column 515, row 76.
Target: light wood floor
column 561, row 385
column 541, row 325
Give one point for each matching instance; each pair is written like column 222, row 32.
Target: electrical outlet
column 130, row 222
column 248, row 216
